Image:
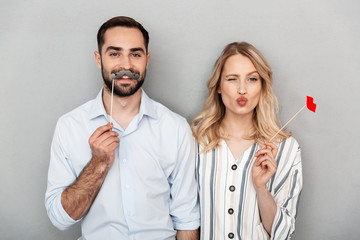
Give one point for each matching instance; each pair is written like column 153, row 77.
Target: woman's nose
column 241, row 88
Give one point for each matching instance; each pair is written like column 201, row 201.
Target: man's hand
column 77, row 198
column 103, row 143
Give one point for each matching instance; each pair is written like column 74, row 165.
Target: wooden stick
column 287, row 123
column 112, row 99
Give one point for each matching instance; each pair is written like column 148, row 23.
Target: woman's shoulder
column 291, row 142
column 289, row 151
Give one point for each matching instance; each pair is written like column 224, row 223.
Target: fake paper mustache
column 128, row 73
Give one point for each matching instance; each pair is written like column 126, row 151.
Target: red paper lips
column 310, row 103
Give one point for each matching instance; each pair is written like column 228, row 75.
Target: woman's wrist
column 261, row 189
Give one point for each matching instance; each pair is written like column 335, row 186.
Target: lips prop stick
column 309, row 104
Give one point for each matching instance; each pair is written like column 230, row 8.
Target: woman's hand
column 264, row 166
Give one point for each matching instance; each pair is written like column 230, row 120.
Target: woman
column 249, row 188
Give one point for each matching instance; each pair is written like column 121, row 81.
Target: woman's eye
column 253, row 79
column 231, row 79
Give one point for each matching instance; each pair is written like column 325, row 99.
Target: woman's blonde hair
column 206, row 125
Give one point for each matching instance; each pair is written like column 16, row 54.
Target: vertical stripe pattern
column 229, row 208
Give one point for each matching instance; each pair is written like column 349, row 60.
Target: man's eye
column 135, row 55
column 114, row 54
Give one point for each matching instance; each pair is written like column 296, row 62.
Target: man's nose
column 125, row 62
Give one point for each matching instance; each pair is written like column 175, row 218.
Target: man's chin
column 126, row 91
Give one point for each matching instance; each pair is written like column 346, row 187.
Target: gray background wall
column 47, row 68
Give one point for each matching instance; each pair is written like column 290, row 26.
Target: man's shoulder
column 78, row 114
column 167, row 115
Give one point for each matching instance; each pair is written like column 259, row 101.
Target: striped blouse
column 229, row 208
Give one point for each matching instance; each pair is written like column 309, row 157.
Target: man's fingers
column 113, row 145
column 99, row 131
column 105, row 137
column 110, row 140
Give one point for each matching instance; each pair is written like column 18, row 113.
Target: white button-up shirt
column 149, row 191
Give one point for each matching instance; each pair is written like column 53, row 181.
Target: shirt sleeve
column 286, row 191
column 184, row 205
column 60, row 176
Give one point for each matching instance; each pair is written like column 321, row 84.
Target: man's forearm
column 78, row 197
column 187, row 234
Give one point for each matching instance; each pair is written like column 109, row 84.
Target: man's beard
column 124, row 90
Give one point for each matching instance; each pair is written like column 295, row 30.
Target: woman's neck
column 235, row 126
column 235, row 130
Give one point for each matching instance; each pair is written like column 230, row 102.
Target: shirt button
column 232, row 188
column 231, row 235
column 231, row 211
column 124, row 160
column 127, row 186
column 234, row 167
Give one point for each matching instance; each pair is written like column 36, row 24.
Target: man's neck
column 124, row 109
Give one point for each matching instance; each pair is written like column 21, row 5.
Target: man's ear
column 147, row 59
column 97, row 59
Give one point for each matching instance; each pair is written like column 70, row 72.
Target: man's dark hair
column 121, row 21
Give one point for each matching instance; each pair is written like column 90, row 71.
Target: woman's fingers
column 262, row 151
column 265, row 160
column 272, row 147
column 269, row 148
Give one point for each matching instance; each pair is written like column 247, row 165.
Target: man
column 130, row 179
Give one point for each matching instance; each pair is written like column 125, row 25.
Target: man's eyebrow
column 136, row 49
column 109, row 48
column 139, row 49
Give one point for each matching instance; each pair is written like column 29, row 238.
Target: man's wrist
column 99, row 166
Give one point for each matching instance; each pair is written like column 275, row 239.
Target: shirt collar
column 97, row 108
column 147, row 106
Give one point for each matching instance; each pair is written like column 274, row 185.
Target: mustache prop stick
column 309, row 104
column 114, row 76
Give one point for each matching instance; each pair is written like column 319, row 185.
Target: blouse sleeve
column 286, row 187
